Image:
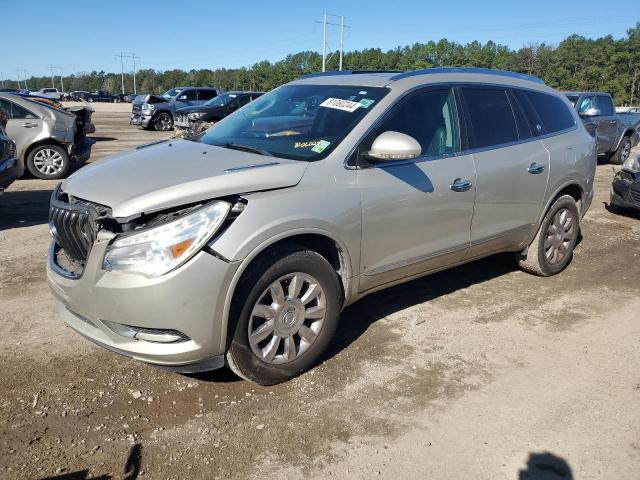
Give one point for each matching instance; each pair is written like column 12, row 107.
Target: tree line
column 577, row 63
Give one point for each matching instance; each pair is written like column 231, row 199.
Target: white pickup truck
column 52, row 93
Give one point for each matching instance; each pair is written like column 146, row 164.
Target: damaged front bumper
column 173, row 321
column 625, row 190
column 140, row 119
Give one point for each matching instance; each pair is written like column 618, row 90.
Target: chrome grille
column 73, row 225
column 635, row 195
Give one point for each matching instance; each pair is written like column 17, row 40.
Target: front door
column 416, row 215
column 22, row 125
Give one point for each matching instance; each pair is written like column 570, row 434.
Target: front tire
column 623, row 151
column 162, row 122
column 285, row 312
column 48, row 162
column 552, row 248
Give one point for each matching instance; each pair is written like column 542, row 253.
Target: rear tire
column 48, row 162
column 285, row 312
column 552, row 248
column 623, row 151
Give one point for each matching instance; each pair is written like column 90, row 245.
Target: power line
column 324, row 37
column 132, row 56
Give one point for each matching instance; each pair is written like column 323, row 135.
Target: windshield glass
column 169, row 94
column 299, row 122
column 573, row 99
column 221, row 100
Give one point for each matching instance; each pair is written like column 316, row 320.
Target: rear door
column 413, row 219
column 22, row 126
column 187, row 97
column 602, row 124
column 512, row 168
column 206, row 94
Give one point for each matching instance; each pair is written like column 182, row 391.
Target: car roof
column 570, row 92
column 384, row 78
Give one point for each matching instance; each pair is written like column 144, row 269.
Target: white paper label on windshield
column 339, row 104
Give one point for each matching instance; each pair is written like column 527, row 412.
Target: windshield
column 221, row 100
column 169, row 94
column 573, row 99
column 299, row 122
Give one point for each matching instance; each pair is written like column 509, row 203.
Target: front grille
column 74, row 224
column 635, row 195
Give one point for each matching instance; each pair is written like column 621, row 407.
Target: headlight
column 195, row 115
column 147, row 106
column 632, row 164
column 158, row 250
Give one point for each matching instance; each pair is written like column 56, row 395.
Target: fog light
column 156, row 335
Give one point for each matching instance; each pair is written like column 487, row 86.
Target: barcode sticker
column 339, row 104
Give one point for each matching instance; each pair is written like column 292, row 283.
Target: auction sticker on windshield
column 339, row 104
column 320, row 146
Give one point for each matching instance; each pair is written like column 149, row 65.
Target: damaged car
column 195, row 119
column 625, row 189
column 157, row 112
column 48, row 139
column 10, row 168
column 243, row 245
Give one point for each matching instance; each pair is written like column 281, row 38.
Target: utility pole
column 324, row 37
column 132, row 56
column 2, row 79
column 53, row 84
column 121, row 55
column 24, row 72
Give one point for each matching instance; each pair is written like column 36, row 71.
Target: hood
column 177, row 172
column 140, row 99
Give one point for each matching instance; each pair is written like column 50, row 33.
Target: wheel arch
column 43, row 142
column 319, row 241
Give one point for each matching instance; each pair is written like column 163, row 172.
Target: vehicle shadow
column 132, row 469
column 623, row 212
column 546, row 466
column 24, row 208
column 103, row 139
column 357, row 318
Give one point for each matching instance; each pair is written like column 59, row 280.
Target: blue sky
column 85, row 35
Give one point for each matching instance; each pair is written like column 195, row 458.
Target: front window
column 169, row 94
column 299, row 122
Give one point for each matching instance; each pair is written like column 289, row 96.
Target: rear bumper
column 81, row 150
column 10, row 170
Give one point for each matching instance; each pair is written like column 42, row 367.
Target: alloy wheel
column 287, row 318
column 163, row 122
column 560, row 234
column 48, row 161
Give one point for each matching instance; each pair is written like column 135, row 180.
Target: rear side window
column 552, row 112
column 491, row 116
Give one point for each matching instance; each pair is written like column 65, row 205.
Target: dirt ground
column 479, row 372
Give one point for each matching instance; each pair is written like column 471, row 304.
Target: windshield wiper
column 246, row 148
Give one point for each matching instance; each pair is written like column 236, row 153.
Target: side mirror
column 591, row 112
column 390, row 146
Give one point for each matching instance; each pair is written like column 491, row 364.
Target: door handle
column 29, row 125
column 535, row 168
column 612, row 122
column 460, row 185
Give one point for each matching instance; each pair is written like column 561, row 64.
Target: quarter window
column 207, row 94
column 491, row 116
column 552, row 112
column 430, row 118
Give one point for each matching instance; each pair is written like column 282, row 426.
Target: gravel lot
column 478, row 372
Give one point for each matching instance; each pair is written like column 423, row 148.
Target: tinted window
column 522, row 122
column 206, row 94
column 604, row 104
column 573, row 98
column 491, row 117
column 553, row 113
column 190, row 94
column 429, row 117
column 15, row 111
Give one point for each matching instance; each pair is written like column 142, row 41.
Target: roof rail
column 486, row 71
column 346, row 72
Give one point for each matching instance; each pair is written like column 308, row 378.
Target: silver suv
column 243, row 246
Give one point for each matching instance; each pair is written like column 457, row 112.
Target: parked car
column 9, row 90
column 104, row 96
column 10, row 168
column 129, row 97
column 195, row 119
column 52, row 93
column 246, row 243
column 47, row 139
column 625, row 189
column 627, row 109
column 80, row 96
column 157, row 112
column 616, row 134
